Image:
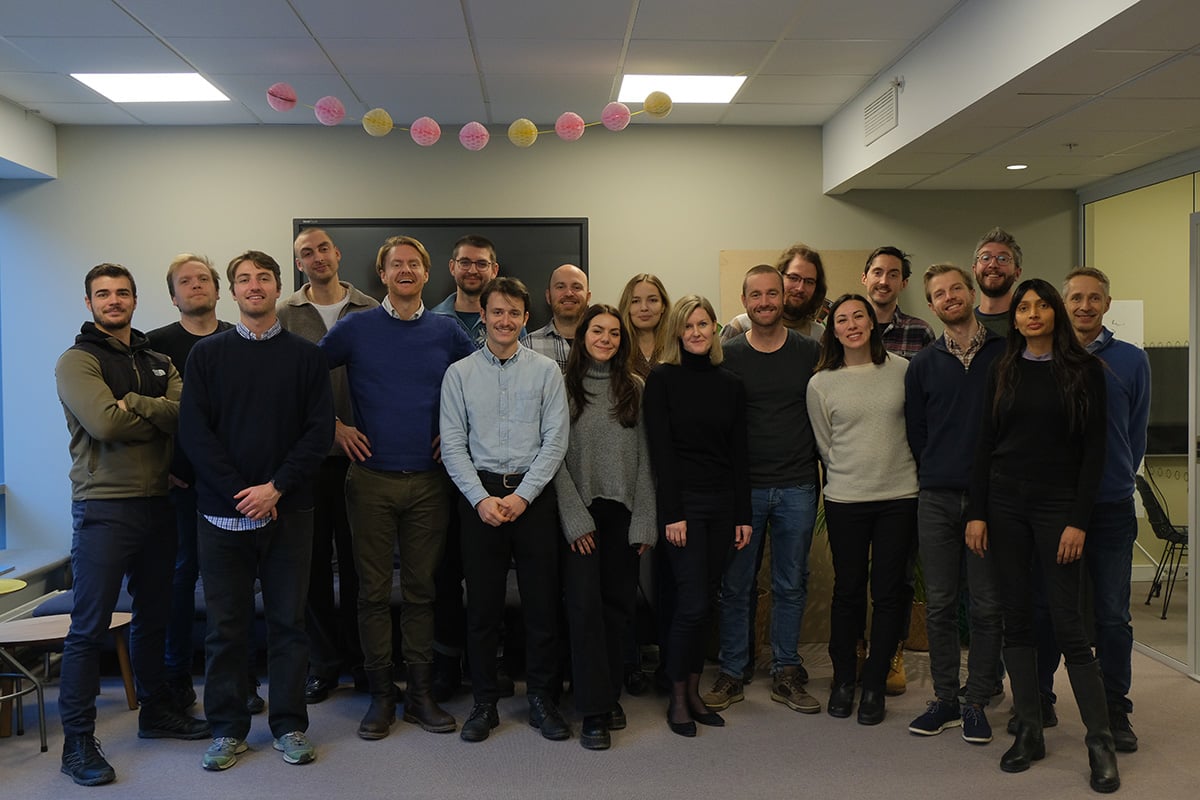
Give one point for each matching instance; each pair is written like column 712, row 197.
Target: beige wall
column 661, row 199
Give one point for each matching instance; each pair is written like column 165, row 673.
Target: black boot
column 1088, row 686
column 419, row 705
column 1029, row 745
column 377, row 722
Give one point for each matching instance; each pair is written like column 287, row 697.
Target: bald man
column 568, row 296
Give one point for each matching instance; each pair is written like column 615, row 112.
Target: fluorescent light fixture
column 1016, row 167
column 168, row 87
column 681, row 88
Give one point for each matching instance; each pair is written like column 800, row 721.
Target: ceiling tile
column 104, row 113
column 839, row 57
column 1052, row 140
column 869, row 19
column 549, row 56
column 1180, row 78
column 551, row 19
column 1072, row 71
column 874, row 180
column 101, row 54
column 190, row 113
column 13, row 59
column 389, row 56
column 1008, row 109
column 282, row 57
column 779, row 113
column 1169, row 144
column 543, row 98
column 747, row 20
column 959, row 138
column 66, row 18
column 801, row 88
column 1157, row 25
column 665, row 57
column 1065, row 181
column 689, row 114
column 449, row 99
column 228, row 18
column 1141, row 114
column 905, row 163
column 385, row 18
column 30, row 88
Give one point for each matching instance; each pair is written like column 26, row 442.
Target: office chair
column 1175, row 540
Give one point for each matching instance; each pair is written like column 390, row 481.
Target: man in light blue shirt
column 504, row 425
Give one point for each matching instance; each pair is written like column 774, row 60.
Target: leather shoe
column 710, row 718
column 870, row 707
column 636, row 682
column 480, row 723
column 616, row 718
column 841, row 700
column 594, row 734
column 317, row 689
column 687, row 729
column 545, row 716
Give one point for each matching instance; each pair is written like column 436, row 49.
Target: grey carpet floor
column 765, row 750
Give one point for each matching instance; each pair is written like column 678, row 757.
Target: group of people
column 453, row 444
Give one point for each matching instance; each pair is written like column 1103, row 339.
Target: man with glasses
column 804, row 293
column 997, row 269
column 472, row 265
column 568, row 297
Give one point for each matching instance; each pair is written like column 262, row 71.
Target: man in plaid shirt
column 885, row 275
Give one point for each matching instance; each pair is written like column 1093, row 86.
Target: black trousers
column 532, row 541
column 332, row 626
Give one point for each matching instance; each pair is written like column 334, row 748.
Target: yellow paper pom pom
column 657, row 104
column 377, row 122
column 522, row 133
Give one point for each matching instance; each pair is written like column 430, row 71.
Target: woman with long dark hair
column 606, row 506
column 644, row 308
column 856, row 406
column 1038, row 465
column 696, row 426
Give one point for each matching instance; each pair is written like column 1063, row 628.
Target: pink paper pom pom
column 329, row 110
column 425, row 131
column 569, row 126
column 474, row 136
column 615, row 116
column 281, row 96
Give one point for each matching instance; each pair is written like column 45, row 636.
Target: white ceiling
column 1125, row 95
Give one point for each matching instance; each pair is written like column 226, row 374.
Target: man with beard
column 472, row 265
column 997, row 269
column 945, row 394
column 885, row 275
column 774, row 364
column 804, row 294
column 568, row 298
column 121, row 401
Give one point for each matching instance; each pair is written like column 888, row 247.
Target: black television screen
column 527, row 248
column 1169, row 388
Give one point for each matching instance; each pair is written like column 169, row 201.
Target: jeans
column 112, row 539
column 791, row 512
column 870, row 543
column 390, row 511
column 1108, row 558
column 280, row 555
column 183, row 586
column 332, row 627
column 948, row 565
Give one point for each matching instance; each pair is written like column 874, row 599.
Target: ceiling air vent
column 881, row 114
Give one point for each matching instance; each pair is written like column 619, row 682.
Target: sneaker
column 726, row 691
column 223, row 753
column 897, row 680
column 786, row 689
column 296, row 748
column 975, row 727
column 939, row 715
column 1124, row 738
column 84, row 761
column 801, row 672
column 160, row 720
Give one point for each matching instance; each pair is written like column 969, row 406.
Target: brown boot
column 377, row 722
column 419, row 705
column 897, row 680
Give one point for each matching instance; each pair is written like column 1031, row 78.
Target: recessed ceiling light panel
column 681, row 88
column 163, row 87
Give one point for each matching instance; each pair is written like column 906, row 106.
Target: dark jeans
column 870, row 543
column 390, row 512
column 949, row 566
column 279, row 555
column 601, row 592
column 1108, row 558
column 112, row 539
column 696, row 572
column 183, row 586
column 532, row 541
column 1025, row 523
column 332, row 626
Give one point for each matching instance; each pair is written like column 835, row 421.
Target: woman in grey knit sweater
column 606, row 505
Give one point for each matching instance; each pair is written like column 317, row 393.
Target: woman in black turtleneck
column 696, row 425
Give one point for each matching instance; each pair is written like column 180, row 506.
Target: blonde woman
column 644, row 308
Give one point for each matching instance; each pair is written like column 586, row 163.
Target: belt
column 508, row 480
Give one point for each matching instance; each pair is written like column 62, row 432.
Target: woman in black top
column 696, row 426
column 1037, row 468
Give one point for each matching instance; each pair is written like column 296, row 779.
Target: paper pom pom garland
column 281, row 97
column 474, row 136
column 329, row 110
column 377, row 122
column 425, row 131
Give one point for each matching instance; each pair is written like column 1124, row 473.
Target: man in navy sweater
column 944, row 397
column 397, row 493
column 256, row 418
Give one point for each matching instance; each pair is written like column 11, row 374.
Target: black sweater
column 1031, row 441
column 696, row 429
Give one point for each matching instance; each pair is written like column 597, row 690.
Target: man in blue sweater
column 397, row 494
column 944, row 398
column 256, row 418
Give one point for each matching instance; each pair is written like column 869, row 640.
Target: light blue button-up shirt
column 503, row 417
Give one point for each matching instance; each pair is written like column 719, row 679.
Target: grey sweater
column 605, row 460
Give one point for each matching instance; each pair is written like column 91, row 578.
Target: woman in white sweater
column 606, row 506
column 856, row 405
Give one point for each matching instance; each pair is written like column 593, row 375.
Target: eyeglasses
column 466, row 263
column 794, row 278
column 1003, row 259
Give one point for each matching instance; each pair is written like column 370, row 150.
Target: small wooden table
column 49, row 631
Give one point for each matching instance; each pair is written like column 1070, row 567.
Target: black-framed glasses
column 1002, row 259
column 466, row 263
